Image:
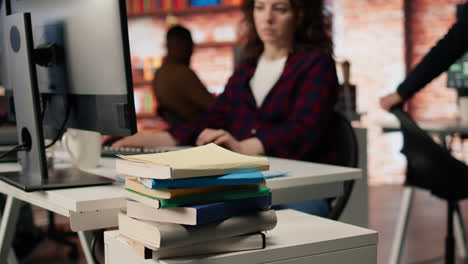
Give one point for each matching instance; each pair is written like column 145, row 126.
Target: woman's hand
column 108, row 140
column 157, row 139
column 219, row 137
column 249, row 146
column 390, row 100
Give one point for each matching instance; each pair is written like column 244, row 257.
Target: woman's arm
column 249, row 146
column 450, row 48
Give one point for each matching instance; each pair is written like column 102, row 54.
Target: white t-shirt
column 265, row 77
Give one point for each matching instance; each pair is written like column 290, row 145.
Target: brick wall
column 369, row 33
column 429, row 21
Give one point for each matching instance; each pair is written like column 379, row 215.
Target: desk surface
column 304, row 181
column 297, row 235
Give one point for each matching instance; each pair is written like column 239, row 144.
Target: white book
column 168, row 235
column 224, row 245
column 207, row 160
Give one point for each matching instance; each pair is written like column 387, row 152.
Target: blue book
column 198, row 214
column 220, row 180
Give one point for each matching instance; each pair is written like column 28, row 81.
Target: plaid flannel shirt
column 294, row 121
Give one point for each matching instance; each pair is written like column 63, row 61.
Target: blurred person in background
column 181, row 95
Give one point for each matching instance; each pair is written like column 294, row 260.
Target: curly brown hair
column 311, row 31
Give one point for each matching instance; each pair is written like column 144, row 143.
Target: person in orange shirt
column 181, row 95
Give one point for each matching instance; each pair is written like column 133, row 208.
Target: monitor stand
column 57, row 179
column 34, row 174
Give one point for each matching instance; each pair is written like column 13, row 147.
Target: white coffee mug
column 83, row 146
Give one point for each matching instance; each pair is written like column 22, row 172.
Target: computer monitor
column 66, row 60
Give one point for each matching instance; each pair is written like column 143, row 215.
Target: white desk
column 93, row 208
column 447, row 127
column 298, row 238
column 441, row 129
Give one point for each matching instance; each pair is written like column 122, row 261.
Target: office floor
column 425, row 236
column 427, row 225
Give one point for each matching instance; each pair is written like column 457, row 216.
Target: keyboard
column 109, row 151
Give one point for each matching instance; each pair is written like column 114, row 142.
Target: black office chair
column 431, row 167
column 348, row 156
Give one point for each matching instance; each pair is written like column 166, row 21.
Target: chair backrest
column 348, row 156
column 429, row 165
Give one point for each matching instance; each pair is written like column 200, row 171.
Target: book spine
column 129, row 6
column 142, row 6
column 214, row 197
column 136, row 6
column 167, row 235
column 197, row 199
column 167, row 5
column 234, row 226
column 152, row 5
column 226, row 209
column 229, row 179
column 147, row 6
column 132, row 195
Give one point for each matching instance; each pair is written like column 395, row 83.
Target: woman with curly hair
column 279, row 100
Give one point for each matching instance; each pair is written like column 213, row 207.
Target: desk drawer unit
column 297, row 239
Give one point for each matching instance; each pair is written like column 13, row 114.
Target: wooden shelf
column 185, row 11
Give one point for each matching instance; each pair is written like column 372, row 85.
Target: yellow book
column 207, row 160
column 133, row 184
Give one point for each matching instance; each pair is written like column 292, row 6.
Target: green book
column 198, row 198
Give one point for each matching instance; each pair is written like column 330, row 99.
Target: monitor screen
column 94, row 72
column 2, row 46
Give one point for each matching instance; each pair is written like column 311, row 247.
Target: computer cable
column 97, row 234
column 62, row 126
column 57, row 137
column 44, row 100
column 14, row 149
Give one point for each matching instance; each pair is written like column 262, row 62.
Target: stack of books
column 195, row 201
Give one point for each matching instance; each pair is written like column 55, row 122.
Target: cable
column 14, row 149
column 62, row 127
column 44, row 106
column 97, row 235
